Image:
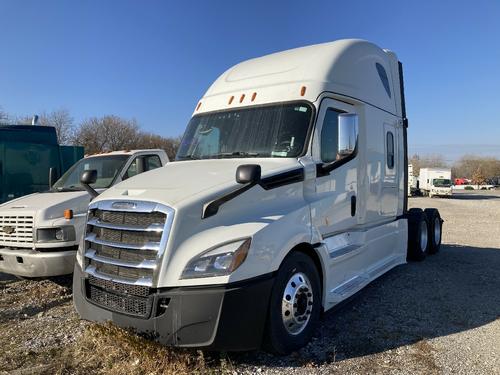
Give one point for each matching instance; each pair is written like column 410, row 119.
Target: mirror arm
column 212, row 207
column 324, row 169
column 93, row 193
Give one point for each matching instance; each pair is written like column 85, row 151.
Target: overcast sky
column 153, row 60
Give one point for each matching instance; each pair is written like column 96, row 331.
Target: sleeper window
column 329, row 135
column 390, row 150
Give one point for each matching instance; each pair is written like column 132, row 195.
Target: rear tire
column 418, row 235
column 435, row 229
column 295, row 304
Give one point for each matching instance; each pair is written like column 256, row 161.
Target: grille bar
column 153, row 246
column 155, row 227
column 143, row 281
column 21, row 227
column 145, row 264
column 131, row 305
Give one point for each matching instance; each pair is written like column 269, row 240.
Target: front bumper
column 32, row 263
column 230, row 317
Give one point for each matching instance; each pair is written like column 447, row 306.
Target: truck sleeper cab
column 40, row 233
column 288, row 195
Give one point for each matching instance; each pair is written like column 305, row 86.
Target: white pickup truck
column 288, row 195
column 39, row 233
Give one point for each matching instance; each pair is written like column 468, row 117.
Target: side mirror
column 87, row 178
column 52, row 176
column 248, row 173
column 348, row 134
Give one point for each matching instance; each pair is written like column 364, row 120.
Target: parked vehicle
column 436, row 182
column 28, row 155
column 39, row 233
column 287, row 197
column 413, row 183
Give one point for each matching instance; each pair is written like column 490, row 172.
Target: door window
column 329, row 135
column 390, row 150
column 132, row 170
column 152, row 162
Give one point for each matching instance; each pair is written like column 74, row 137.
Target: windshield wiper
column 241, row 154
column 69, row 188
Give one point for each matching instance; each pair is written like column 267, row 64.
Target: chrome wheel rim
column 423, row 236
column 297, row 303
column 437, row 230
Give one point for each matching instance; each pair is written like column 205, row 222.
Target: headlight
column 62, row 234
column 220, row 261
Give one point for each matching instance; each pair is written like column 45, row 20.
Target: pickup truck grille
column 125, row 245
column 16, row 229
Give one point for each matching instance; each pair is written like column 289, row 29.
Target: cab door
column 334, row 209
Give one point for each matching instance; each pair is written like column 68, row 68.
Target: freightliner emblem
column 124, row 205
column 8, row 230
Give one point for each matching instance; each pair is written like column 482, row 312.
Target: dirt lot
column 438, row 316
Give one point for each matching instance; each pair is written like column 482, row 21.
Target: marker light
column 242, row 97
column 302, row 91
column 231, row 99
column 254, row 95
column 198, row 106
column 68, row 214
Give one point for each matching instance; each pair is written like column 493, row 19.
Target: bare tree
column 4, row 118
column 62, row 121
column 148, row 140
column 429, row 161
column 108, row 133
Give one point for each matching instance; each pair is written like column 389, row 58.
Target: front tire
column 295, row 304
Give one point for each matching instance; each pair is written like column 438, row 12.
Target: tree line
column 479, row 169
column 98, row 134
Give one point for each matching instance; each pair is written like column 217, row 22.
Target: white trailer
column 40, row 233
column 287, row 196
column 436, row 182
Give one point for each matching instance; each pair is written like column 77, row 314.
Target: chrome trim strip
column 143, row 281
column 153, row 246
column 140, row 206
column 133, row 228
column 145, row 264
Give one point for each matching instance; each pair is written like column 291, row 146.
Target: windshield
column 107, row 168
column 441, row 182
column 277, row 131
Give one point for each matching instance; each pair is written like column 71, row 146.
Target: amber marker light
column 242, row 97
column 231, row 99
column 68, row 214
column 254, row 95
column 302, row 91
column 198, row 106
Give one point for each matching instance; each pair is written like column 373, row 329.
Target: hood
column 181, row 180
column 47, row 205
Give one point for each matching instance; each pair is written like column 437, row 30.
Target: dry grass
column 107, row 349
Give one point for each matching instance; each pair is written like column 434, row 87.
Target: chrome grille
column 16, row 229
column 124, row 245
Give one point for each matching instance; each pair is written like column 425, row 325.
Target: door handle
column 353, row 205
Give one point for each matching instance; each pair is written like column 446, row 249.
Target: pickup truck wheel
column 294, row 308
column 418, row 234
column 435, row 226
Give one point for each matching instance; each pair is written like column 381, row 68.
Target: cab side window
column 152, row 162
column 390, row 150
column 329, row 135
column 132, row 170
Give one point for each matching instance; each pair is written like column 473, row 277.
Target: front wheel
column 295, row 304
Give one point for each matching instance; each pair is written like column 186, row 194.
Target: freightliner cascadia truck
column 40, row 233
column 288, row 195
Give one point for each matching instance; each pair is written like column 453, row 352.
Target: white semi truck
column 287, row 197
column 40, row 233
column 435, row 182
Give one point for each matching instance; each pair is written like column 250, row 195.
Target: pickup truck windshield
column 107, row 168
column 441, row 182
column 276, row 131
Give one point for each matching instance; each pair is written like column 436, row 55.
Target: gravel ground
column 440, row 316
